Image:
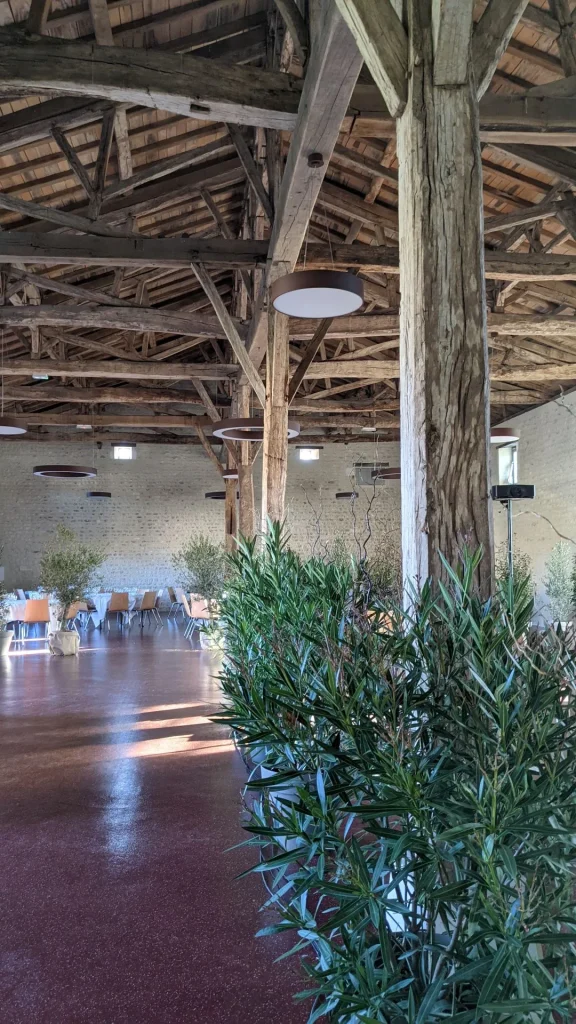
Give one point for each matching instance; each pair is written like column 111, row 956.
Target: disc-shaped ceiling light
column 386, row 473
column 98, row 494
column 218, row 495
column 502, row 435
column 10, row 427
column 230, row 474
column 346, row 494
column 317, row 293
column 248, row 429
column 64, row 472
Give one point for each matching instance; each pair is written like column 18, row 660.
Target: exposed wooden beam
column 38, row 16
column 452, row 31
column 331, row 74
column 26, row 126
column 121, row 370
column 307, row 357
column 76, row 165
column 103, row 32
column 61, row 287
column 566, row 39
column 275, row 454
column 192, row 86
column 491, row 37
column 48, row 392
column 209, row 450
column 296, row 26
column 133, row 318
column 23, row 247
column 505, row 221
column 560, row 163
column 382, row 40
column 56, row 216
column 231, row 331
column 252, row 172
column 104, row 149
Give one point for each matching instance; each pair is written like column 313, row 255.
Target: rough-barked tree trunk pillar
column 443, row 344
column 246, row 513
column 275, row 459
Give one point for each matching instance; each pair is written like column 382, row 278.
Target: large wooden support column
column 246, row 513
column 275, row 419
column 443, row 346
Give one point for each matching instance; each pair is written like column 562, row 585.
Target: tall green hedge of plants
column 413, row 795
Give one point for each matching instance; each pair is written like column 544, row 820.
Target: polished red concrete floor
column 118, row 800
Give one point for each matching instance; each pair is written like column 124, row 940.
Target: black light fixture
column 98, row 494
column 64, row 472
column 218, row 495
column 317, row 293
column 248, row 429
column 341, row 495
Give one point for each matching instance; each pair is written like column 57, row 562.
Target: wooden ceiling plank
column 120, row 369
column 491, row 37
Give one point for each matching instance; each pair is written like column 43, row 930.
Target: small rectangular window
column 123, row 451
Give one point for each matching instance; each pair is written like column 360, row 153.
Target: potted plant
column 6, row 635
column 559, row 584
column 201, row 568
column 68, row 570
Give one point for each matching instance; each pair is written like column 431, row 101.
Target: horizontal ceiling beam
column 119, row 369
column 207, row 89
column 24, row 247
column 189, row 86
column 100, row 396
column 133, row 318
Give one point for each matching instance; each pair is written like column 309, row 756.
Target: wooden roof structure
column 142, row 151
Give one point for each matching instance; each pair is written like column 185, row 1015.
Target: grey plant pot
column 6, row 638
column 64, row 641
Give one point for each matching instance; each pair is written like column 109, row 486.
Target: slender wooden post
column 246, row 513
column 443, row 345
column 230, row 513
column 275, row 420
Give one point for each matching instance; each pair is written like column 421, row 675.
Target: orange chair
column 118, row 605
column 148, row 607
column 74, row 611
column 36, row 612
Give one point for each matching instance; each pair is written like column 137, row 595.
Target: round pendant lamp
column 248, row 429
column 347, row 494
column 64, row 472
column 98, row 494
column 386, row 473
column 10, row 427
column 230, row 474
column 218, row 495
column 317, row 293
column 502, row 435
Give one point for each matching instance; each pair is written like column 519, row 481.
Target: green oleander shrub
column 412, row 790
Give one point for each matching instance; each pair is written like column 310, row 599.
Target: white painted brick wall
column 158, row 501
column 546, row 458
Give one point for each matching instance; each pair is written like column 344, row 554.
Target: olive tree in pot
column 201, row 569
column 6, row 635
column 68, row 570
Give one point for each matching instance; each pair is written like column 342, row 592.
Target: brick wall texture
column 158, row 502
